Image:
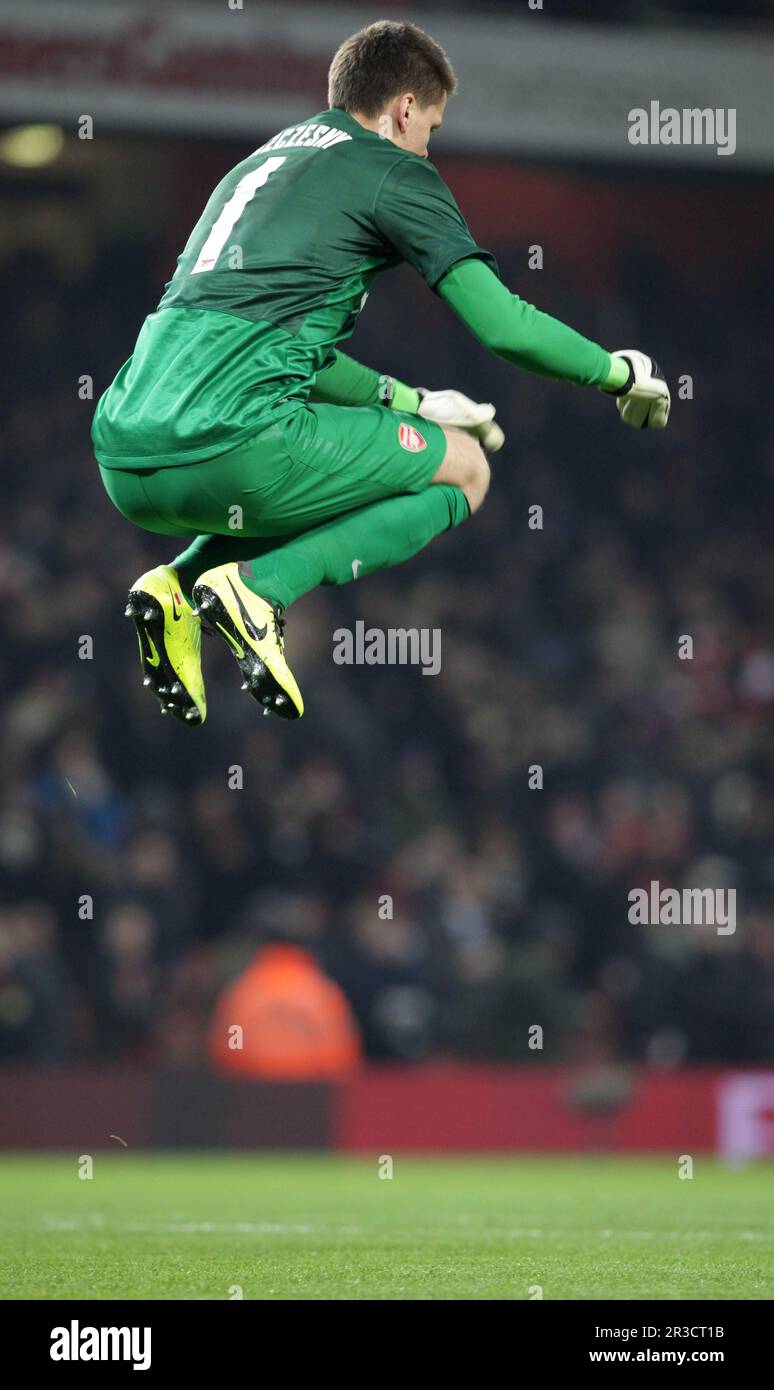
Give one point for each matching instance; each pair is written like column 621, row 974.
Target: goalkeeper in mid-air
column 237, row 425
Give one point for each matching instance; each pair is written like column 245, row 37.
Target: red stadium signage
column 224, row 70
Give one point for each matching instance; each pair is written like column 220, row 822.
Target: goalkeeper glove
column 644, row 400
column 459, row 412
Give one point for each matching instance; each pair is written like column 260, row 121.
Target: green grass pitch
column 197, row 1226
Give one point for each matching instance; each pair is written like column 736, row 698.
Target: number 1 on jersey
column 224, row 225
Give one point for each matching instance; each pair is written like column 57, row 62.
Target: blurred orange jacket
column 295, row 1023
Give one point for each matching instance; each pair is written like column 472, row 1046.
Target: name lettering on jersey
column 318, row 137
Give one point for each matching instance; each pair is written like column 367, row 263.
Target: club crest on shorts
column 410, row 439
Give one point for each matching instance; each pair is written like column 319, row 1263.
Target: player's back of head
column 384, row 59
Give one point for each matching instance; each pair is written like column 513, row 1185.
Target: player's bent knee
column 476, row 474
column 478, row 487
column 465, row 465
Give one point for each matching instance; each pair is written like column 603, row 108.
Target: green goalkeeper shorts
column 314, row 465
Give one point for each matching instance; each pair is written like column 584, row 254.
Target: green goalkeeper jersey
column 273, row 276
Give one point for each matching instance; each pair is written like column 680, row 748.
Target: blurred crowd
column 399, row 833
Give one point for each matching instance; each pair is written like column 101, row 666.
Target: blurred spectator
column 283, row 1020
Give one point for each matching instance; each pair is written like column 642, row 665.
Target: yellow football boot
column 169, row 633
column 253, row 630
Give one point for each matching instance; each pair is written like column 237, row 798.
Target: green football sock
column 355, row 544
column 207, row 552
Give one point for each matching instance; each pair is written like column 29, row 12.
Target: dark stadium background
column 559, row 649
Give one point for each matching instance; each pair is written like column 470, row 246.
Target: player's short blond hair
column 379, row 62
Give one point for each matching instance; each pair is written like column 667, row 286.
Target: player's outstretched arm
column 516, row 331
